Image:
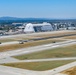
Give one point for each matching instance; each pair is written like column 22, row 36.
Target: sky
column 38, row 8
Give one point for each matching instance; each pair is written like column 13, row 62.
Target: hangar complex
column 43, row 27
column 38, row 27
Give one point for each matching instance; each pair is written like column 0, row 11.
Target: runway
column 36, row 49
column 5, row 57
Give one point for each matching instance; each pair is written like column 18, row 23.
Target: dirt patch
column 71, row 71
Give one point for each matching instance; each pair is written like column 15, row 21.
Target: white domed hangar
column 41, row 27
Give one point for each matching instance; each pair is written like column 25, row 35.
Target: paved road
column 8, row 60
column 60, row 74
column 34, row 34
column 16, row 71
column 13, row 60
column 31, row 40
column 9, row 43
column 39, row 33
column 17, row 42
column 62, row 68
column 48, row 59
column 35, row 49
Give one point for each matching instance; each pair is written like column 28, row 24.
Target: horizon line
column 34, row 17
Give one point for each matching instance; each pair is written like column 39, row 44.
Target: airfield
column 43, row 53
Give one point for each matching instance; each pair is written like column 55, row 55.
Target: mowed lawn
column 28, row 44
column 39, row 66
column 69, row 51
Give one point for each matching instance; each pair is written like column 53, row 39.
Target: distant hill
column 9, row 18
column 15, row 18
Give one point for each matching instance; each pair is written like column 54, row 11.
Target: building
column 41, row 27
column 17, row 24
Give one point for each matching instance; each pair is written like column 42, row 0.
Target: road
column 9, row 43
column 5, row 58
column 47, row 59
column 61, row 68
column 36, row 34
column 35, row 49
column 13, row 60
column 16, row 71
column 25, row 41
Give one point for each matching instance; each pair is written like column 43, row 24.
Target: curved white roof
column 29, row 28
column 41, row 24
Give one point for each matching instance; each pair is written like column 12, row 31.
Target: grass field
column 15, row 39
column 6, row 40
column 69, row 51
column 70, row 37
column 71, row 71
column 36, row 35
column 55, row 34
column 28, row 44
column 39, row 66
